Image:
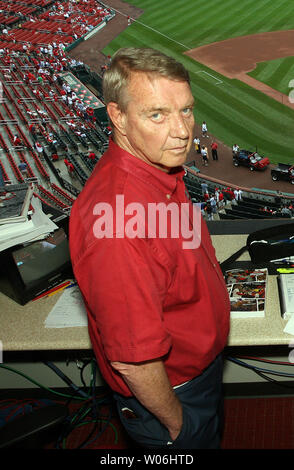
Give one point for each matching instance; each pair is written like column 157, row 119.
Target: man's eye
column 156, row 116
column 187, row 111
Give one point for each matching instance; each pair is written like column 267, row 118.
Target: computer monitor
column 29, row 270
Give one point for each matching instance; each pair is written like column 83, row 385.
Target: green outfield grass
column 234, row 112
column 278, row 74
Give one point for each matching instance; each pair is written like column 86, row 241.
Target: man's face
column 158, row 123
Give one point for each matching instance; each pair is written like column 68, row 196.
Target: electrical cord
column 90, row 407
column 255, row 368
column 82, row 369
column 11, row 369
column 276, row 382
column 270, row 361
column 65, row 379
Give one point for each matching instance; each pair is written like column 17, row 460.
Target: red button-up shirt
column 147, row 297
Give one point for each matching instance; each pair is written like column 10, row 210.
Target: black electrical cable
column 72, row 421
column 65, row 378
column 268, row 361
column 94, row 408
column 254, row 368
column 106, row 424
column 88, row 412
column 90, row 404
column 86, row 363
column 276, row 382
column 263, row 372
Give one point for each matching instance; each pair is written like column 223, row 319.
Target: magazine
column 247, row 292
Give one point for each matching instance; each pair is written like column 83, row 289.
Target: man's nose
column 179, row 127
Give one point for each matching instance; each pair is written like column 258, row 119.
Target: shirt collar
column 166, row 182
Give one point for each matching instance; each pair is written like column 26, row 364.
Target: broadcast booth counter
column 24, row 334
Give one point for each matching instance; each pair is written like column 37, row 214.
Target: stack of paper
column 69, row 310
column 36, row 227
column 15, row 203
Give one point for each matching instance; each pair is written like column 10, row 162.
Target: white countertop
column 22, row 327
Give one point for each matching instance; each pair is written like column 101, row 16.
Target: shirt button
column 168, row 196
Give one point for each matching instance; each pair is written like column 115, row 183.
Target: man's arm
column 149, row 383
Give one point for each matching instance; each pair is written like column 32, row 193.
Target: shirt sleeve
column 124, row 282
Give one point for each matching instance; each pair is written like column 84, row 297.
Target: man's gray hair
column 131, row 59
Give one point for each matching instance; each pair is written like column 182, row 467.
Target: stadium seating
column 54, row 199
column 4, row 174
column 48, row 22
column 40, row 166
column 62, row 193
column 15, row 169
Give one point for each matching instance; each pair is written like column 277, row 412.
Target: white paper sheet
column 37, row 228
column 69, row 310
column 289, row 328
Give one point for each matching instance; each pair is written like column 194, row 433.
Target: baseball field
column 240, row 59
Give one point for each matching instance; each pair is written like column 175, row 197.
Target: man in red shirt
column 70, row 168
column 16, row 140
column 214, row 153
column 158, row 308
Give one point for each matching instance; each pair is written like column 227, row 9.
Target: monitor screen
column 39, row 259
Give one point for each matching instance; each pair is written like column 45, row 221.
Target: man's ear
column 116, row 116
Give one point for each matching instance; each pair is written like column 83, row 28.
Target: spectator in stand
column 238, row 194
column 107, row 130
column 16, row 140
column 70, row 169
column 39, row 147
column 229, row 194
column 54, row 157
column 212, row 201
column 208, row 210
column 92, row 156
column 220, row 200
column 90, row 112
column 31, row 77
column 214, row 153
column 286, row 211
column 278, row 198
column 204, row 187
column 23, row 168
column 32, row 128
column 206, row 196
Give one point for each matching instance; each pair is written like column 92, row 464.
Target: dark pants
column 202, row 403
column 214, row 154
